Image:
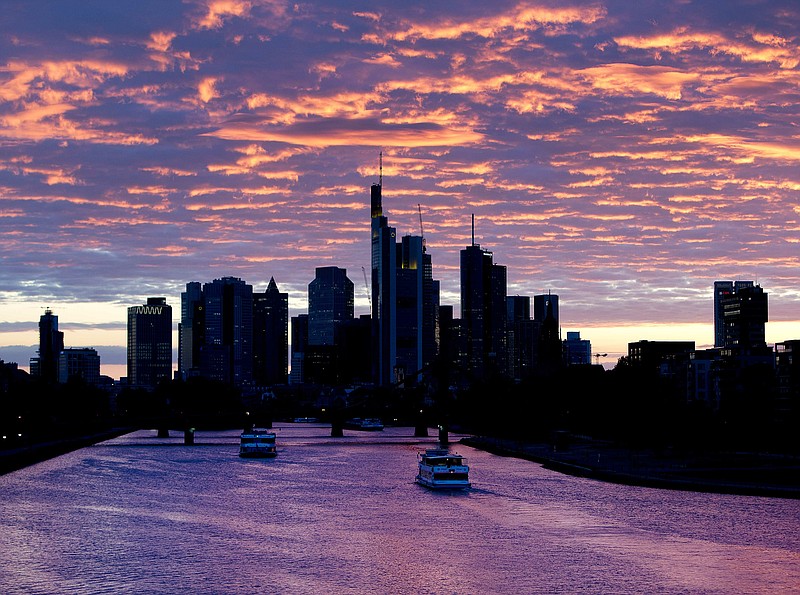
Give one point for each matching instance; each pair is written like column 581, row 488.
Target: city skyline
column 623, row 157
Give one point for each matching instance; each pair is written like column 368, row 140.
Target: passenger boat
column 258, row 443
column 370, row 424
column 441, row 469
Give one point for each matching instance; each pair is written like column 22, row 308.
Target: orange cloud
column 632, row 79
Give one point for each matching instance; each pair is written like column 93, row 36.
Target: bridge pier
column 444, row 439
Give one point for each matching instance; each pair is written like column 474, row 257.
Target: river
column 139, row 514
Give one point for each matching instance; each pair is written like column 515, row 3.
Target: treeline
column 630, row 406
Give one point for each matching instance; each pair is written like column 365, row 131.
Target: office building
column 384, row 290
column 549, row 345
column 270, row 336
column 79, row 363
column 330, row 303
column 744, row 316
column 51, row 344
column 216, row 331
column 299, row 348
column 150, row 343
column 483, row 312
column 724, row 290
column 577, row 351
column 191, row 330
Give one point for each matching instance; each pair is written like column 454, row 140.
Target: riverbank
column 29, row 454
column 751, row 474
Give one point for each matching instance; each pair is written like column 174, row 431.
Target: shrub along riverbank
column 753, row 474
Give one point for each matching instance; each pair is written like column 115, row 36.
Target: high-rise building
column 79, row 362
column 191, row 329
column 722, row 291
column 744, row 314
column 577, row 351
column 483, row 311
column 522, row 336
column 549, row 345
column 270, row 336
column 299, row 348
column 417, row 309
column 51, row 344
column 216, row 331
column 150, row 343
column 384, row 290
column 330, row 303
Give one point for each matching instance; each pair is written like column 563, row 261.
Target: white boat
column 441, row 469
column 258, row 443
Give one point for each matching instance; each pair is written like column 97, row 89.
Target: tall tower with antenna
column 384, row 287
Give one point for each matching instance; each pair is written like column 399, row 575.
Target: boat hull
column 441, row 484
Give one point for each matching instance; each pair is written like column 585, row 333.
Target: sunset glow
column 621, row 155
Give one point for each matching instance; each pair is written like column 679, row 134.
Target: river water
column 139, row 514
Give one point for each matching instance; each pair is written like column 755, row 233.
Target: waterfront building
column 722, row 291
column 51, row 344
column 577, row 351
column 150, row 343
column 483, row 311
column 270, row 336
column 83, row 363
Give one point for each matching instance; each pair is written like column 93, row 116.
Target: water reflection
column 142, row 515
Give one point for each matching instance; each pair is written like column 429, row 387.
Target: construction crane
column 421, row 231
column 366, row 287
column 598, row 356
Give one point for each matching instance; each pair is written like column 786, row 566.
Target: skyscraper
column 330, row 303
column 483, row 311
column 51, row 344
column 270, row 336
column 384, row 291
column 228, row 352
column 722, row 291
column 744, row 315
column 191, row 329
column 549, row 345
column 150, row 343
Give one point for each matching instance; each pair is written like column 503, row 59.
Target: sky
column 623, row 155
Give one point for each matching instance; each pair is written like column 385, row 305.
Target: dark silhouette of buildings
column 405, row 300
column 299, row 348
column 270, row 336
column 79, row 363
column 744, row 315
column 150, row 343
column 483, row 311
column 216, row 332
column 384, row 290
column 722, row 291
column 330, row 303
column 51, row 344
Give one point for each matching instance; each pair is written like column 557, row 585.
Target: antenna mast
column 380, row 179
column 421, row 230
column 473, row 229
